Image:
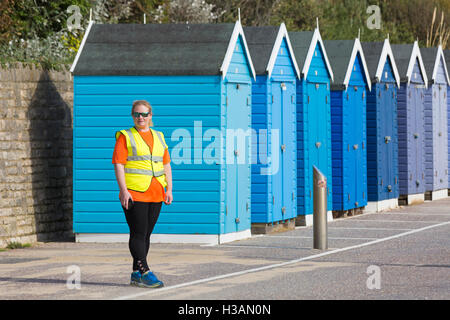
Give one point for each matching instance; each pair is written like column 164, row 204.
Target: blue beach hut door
column 283, row 190
column 416, row 179
column 355, row 147
column 317, row 119
column 237, row 210
column 440, row 136
column 387, row 109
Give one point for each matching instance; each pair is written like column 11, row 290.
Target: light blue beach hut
column 313, row 120
column 274, row 194
column 198, row 80
column 436, row 129
column 411, row 123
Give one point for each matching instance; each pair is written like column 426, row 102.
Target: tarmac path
column 399, row 254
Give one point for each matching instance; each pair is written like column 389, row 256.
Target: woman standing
column 142, row 166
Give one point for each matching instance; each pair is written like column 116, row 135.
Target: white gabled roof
column 237, row 31
column 439, row 56
column 316, row 39
column 282, row 33
column 385, row 53
column 412, row 61
column 357, row 48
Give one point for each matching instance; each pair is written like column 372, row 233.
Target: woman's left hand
column 168, row 197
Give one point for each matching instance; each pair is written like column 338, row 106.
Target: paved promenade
column 399, row 254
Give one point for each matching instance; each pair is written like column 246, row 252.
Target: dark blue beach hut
column 411, row 125
column 198, row 79
column 274, row 183
column 348, row 128
column 382, row 138
column 313, row 119
column 382, row 131
column 436, row 130
column 447, row 60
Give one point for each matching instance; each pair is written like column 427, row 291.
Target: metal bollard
column 320, row 210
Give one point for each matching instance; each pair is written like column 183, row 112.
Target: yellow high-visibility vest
column 142, row 165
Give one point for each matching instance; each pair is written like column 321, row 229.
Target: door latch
column 318, row 144
column 387, row 139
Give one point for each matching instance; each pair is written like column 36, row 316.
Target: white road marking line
column 400, row 221
column 278, row 265
column 362, row 228
column 418, row 214
column 332, row 238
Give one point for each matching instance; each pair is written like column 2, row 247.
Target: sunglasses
column 143, row 114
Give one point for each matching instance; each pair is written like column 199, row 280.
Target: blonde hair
column 145, row 104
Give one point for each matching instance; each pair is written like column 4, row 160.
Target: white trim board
column 80, row 49
column 378, row 206
column 237, row 31
column 309, row 220
column 166, row 238
column 282, row 33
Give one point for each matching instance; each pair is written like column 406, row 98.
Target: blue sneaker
column 135, row 279
column 149, row 280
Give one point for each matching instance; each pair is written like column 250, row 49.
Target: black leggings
column 141, row 218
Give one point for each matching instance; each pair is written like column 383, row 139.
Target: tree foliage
column 36, row 30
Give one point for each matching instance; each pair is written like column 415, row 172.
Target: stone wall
column 36, row 108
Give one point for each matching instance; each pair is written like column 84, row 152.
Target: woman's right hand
column 125, row 197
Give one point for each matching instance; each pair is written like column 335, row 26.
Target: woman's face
column 140, row 121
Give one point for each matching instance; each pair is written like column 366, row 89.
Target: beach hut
column 348, row 128
column 411, row 125
column 447, row 60
column 274, row 184
column 381, row 125
column 198, row 80
column 313, row 120
column 436, row 130
column 382, row 132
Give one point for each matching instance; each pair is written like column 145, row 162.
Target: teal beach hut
column 274, row 194
column 313, row 120
column 198, row 80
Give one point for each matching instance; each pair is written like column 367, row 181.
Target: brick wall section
column 36, row 108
